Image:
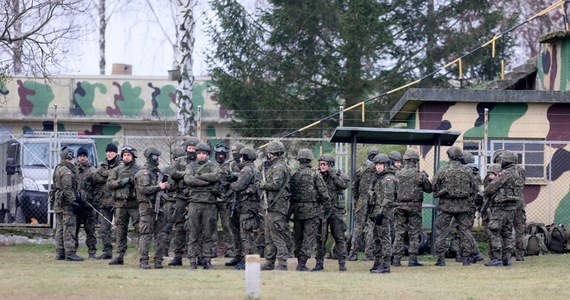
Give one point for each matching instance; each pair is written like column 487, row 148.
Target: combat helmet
column 327, row 158
column 178, row 152
column 129, row 149
column 381, row 158
column 412, row 154
column 66, row 153
column 509, row 157
column 150, row 151
column 395, row 156
column 305, row 154
column 192, row 141
column 454, row 152
column 248, row 154
column 494, row 168
column 372, row 152
column 203, row 147
column 467, row 158
column 275, row 147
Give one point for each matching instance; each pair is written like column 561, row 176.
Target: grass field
column 30, row 272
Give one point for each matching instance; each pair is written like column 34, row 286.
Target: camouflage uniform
column 230, row 175
column 248, row 209
column 336, row 183
column 201, row 178
column 149, row 188
column 223, row 202
column 105, row 196
column 381, row 210
column 412, row 184
column 86, row 215
column 276, row 187
column 181, row 201
column 122, row 182
column 310, row 200
column 519, row 221
column 364, row 177
column 506, row 192
column 453, row 207
column 65, row 182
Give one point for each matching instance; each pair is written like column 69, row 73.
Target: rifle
column 486, row 205
column 159, row 195
column 264, row 192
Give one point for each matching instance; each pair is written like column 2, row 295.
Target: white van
column 27, row 173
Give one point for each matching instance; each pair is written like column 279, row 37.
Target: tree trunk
column 184, row 101
column 102, row 29
column 17, row 45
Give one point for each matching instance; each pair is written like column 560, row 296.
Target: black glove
column 76, row 208
column 377, row 219
column 266, row 164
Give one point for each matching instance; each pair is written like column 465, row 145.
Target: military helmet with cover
column 381, row 158
column 327, row 158
column 66, row 153
column 509, row 157
column 178, row 152
column 203, row 147
column 395, row 156
column 454, row 152
column 305, row 154
column 150, row 151
column 372, row 152
column 467, row 158
column 497, row 156
column 129, row 149
column 248, row 154
column 192, row 141
column 412, row 154
column 275, row 147
column 494, row 168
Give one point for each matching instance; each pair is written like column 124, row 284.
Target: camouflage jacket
column 65, row 182
column 202, row 178
column 102, row 191
column 506, row 189
column 147, row 187
column 412, row 184
column 246, row 188
column 383, row 195
column 364, row 177
column 309, row 194
column 277, row 176
column 336, row 183
column 124, row 193
column 177, row 176
column 85, row 183
column 448, row 204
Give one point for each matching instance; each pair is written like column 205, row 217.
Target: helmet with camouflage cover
column 467, row 158
column 305, row 154
column 248, row 154
column 192, row 141
column 509, row 157
column 203, row 147
column 454, row 152
column 327, row 158
column 381, row 158
column 372, row 152
column 497, row 156
column 129, row 149
column 66, row 153
column 494, row 168
column 275, row 147
column 412, row 154
column 178, row 152
column 395, row 156
column 150, row 151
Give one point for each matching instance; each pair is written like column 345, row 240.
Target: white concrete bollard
column 253, row 276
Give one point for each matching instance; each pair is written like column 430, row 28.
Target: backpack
column 557, row 237
column 536, row 239
column 408, row 189
column 457, row 182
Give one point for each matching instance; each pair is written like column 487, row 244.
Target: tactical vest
column 409, row 188
column 303, row 186
column 512, row 189
column 457, row 182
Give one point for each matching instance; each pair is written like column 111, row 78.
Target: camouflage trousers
column 180, row 231
column 223, row 216
column 338, row 229
column 382, row 242
column 444, row 225
column 166, row 234
column 124, row 215
column 519, row 223
column 360, row 222
column 150, row 227
column 500, row 231
column 407, row 221
column 65, row 237
column 235, row 227
column 249, row 223
column 87, row 218
column 277, row 234
column 305, row 236
column 106, row 229
column 260, row 236
column 201, row 226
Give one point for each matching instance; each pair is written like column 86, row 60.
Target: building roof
column 413, row 98
column 394, row 136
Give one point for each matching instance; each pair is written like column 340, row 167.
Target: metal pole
column 199, row 123
column 352, row 177
column 436, row 154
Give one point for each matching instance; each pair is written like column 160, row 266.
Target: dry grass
column 30, row 272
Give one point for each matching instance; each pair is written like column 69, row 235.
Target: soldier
column 181, row 204
column 122, row 182
column 412, row 184
column 492, row 172
column 505, row 190
column 224, row 198
column 201, row 177
column 150, row 185
column 86, row 215
column 360, row 187
column 311, row 206
column 105, row 196
column 454, row 186
column 166, row 234
column 65, row 183
column 336, row 182
column 275, row 184
column 248, row 208
column 381, row 211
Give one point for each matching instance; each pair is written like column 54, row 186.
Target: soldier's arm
column 144, row 184
column 192, row 180
column 496, row 183
column 66, row 177
column 100, row 175
column 389, row 193
column 426, row 184
column 244, row 178
column 275, row 182
column 322, row 190
column 340, row 180
column 113, row 180
column 212, row 176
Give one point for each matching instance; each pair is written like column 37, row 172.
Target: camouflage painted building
column 534, row 123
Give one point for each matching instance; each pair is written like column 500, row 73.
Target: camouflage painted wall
column 547, row 200
column 553, row 65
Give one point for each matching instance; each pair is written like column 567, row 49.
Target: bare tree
column 34, row 35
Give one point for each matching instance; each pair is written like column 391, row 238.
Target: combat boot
column 282, row 265
column 396, row 262
column 506, row 262
column 261, row 252
column 466, row 261
column 440, row 261
column 105, row 255
column 193, row 265
column 342, row 265
column 413, row 262
column 478, row 257
column 519, row 258
column 240, row 265
column 92, row 255
column 201, row 261
column 59, row 256
column 144, row 265
column 117, row 261
column 494, row 263
column 353, row 257
column 268, row 265
column 233, row 262
column 459, row 258
column 158, row 264
column 73, row 257
column 375, row 266
column 176, row 261
column 208, row 264
column 301, row 265
column 382, row 268
column 319, row 266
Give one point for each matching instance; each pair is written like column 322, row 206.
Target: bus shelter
column 393, row 136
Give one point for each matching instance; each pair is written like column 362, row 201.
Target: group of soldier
column 182, row 204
